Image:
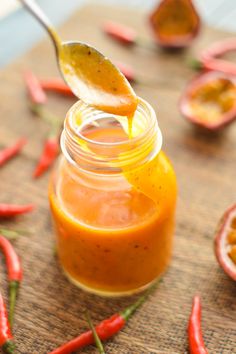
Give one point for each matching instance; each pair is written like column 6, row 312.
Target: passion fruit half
column 209, row 100
column 225, row 242
column 175, row 23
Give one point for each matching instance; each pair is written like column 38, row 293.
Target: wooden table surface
column 50, row 309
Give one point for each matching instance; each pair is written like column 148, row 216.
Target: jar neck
column 103, row 143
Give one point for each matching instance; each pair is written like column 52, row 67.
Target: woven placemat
column 49, row 309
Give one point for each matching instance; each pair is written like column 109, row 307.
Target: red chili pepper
column 14, row 270
column 209, row 57
column 126, row 35
column 49, row 154
column 56, row 85
column 6, row 339
column 35, row 91
column 9, row 210
column 105, row 329
column 121, row 33
column 196, row 343
column 127, row 71
column 219, row 65
column 11, row 151
column 209, row 60
column 219, row 48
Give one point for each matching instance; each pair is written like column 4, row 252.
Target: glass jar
column 112, row 197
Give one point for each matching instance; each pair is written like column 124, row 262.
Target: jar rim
column 151, row 113
column 95, row 155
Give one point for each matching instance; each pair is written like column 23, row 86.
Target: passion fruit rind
column 222, row 256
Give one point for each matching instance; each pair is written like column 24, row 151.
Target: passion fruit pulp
column 175, row 23
column 225, row 242
column 209, row 100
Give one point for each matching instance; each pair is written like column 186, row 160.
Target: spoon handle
column 35, row 10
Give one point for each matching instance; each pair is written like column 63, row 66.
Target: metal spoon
column 91, row 76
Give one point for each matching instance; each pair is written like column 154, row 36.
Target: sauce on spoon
column 96, row 80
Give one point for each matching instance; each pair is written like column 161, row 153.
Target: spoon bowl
column 95, row 79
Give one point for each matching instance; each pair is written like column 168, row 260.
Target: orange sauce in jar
column 113, row 201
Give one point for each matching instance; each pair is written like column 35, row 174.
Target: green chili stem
column 13, row 290
column 195, row 64
column 48, row 117
column 14, row 234
column 95, row 335
column 9, row 234
column 9, row 347
column 130, row 310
